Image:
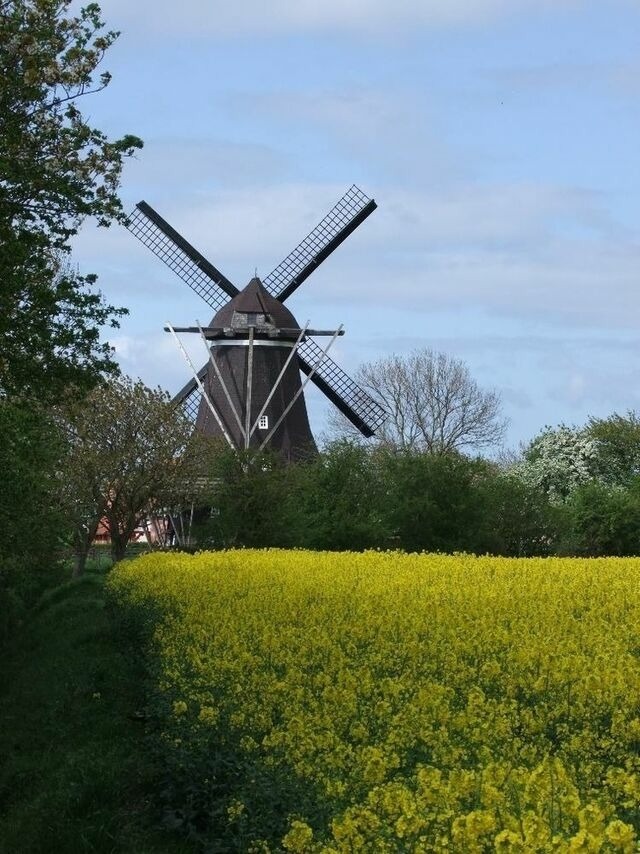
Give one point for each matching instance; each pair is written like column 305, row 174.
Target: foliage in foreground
column 75, row 772
column 31, row 520
column 386, row 702
column 55, row 170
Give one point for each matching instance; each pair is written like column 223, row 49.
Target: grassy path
column 75, row 774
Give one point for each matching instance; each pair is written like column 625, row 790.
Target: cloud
column 154, row 357
column 395, row 134
column 204, row 18
column 515, row 250
column 608, row 76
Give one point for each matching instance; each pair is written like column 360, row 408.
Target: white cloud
column 395, row 134
column 155, row 358
column 219, row 19
column 513, row 250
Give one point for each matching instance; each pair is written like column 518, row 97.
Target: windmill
column 250, row 391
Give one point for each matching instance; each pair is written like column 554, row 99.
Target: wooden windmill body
column 250, row 390
column 252, row 339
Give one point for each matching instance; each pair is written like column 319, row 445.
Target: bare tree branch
column 433, row 402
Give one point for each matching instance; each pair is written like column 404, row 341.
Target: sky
column 499, row 139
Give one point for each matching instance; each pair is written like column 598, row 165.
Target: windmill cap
column 255, row 299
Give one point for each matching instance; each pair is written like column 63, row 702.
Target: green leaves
column 129, row 455
column 55, row 170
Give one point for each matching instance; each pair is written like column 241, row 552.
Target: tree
column 55, row 170
column 252, row 500
column 617, row 440
column 518, row 520
column 434, row 404
column 31, row 521
column 128, row 455
column 433, row 502
column 341, row 495
column 558, row 461
column 599, row 519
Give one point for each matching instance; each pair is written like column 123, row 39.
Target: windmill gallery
column 250, row 390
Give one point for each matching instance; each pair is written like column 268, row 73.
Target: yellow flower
column 433, row 702
column 299, row 837
column 621, row 835
column 235, row 810
column 179, row 708
column 208, row 715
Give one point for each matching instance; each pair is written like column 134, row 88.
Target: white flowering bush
column 558, row 461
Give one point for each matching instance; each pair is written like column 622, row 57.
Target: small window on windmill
column 263, row 423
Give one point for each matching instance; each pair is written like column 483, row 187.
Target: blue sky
column 498, row 138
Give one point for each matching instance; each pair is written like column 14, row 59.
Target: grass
column 75, row 772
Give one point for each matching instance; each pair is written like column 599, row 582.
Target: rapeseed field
column 385, row 702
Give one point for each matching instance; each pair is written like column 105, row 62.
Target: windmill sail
column 180, row 256
column 354, row 403
column 352, row 209
column 209, row 283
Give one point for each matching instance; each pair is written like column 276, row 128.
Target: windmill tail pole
column 214, row 412
column 325, row 353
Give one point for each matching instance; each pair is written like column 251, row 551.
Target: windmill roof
column 254, row 298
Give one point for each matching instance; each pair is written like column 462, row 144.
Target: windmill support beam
column 223, row 385
column 325, row 352
column 203, row 392
column 274, row 388
column 179, row 540
column 247, row 411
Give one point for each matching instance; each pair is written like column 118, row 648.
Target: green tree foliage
column 617, row 440
column 55, row 170
column 518, row 520
column 251, row 502
column 31, row 521
column 341, row 497
column 591, row 476
column 601, row 520
column 433, row 502
column 352, row 497
column 128, row 456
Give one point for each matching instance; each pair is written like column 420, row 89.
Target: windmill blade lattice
column 361, row 409
column 352, row 209
column 189, row 395
column 191, row 403
column 180, row 256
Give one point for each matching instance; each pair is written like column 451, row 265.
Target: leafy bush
column 30, row 518
column 602, row 520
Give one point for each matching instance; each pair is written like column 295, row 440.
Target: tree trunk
column 80, row 562
column 118, row 545
column 84, row 537
column 121, row 531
